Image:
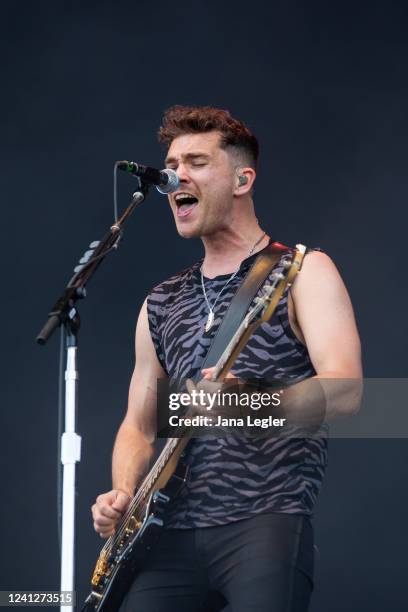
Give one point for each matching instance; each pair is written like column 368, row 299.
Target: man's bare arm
column 326, row 320
column 323, row 319
column 133, row 445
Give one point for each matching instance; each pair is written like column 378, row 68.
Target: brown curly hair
column 178, row 120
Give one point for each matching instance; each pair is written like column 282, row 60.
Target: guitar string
column 132, row 509
column 164, row 456
column 142, row 492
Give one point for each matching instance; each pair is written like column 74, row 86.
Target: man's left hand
column 214, row 390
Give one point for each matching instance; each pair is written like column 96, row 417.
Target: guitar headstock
column 272, row 292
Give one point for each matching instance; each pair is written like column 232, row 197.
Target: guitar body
column 125, row 561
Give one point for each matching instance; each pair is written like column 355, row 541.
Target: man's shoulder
column 318, row 270
column 173, row 283
column 316, row 258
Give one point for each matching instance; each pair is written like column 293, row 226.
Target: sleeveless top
column 235, row 477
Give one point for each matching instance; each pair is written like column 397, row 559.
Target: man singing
column 240, row 532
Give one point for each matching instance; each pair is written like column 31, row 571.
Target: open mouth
column 185, row 203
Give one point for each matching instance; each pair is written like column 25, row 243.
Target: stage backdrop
column 324, row 87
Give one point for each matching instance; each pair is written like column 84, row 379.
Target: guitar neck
column 161, row 471
column 259, row 313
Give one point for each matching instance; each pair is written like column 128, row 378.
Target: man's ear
column 245, row 178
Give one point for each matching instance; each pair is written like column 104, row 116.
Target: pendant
column 210, row 321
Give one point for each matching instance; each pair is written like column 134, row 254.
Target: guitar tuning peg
column 94, row 244
column 81, row 292
column 86, row 256
column 286, row 263
column 78, row 269
column 278, row 276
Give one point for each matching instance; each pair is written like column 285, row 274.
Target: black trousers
column 261, row 564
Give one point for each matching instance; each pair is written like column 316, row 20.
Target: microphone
column 166, row 181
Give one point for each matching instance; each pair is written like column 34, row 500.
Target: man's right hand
column 108, row 510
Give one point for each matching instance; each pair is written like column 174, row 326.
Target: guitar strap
column 238, row 308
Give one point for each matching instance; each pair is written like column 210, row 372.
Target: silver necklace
column 210, row 319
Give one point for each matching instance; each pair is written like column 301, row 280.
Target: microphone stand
column 65, row 312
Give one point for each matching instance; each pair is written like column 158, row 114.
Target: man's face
column 203, row 203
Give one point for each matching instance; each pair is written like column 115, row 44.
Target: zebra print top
column 235, row 477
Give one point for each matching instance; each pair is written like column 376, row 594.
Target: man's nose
column 182, row 173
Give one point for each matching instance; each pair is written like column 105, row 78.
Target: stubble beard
column 194, row 231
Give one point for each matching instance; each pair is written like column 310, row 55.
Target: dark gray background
column 324, row 86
